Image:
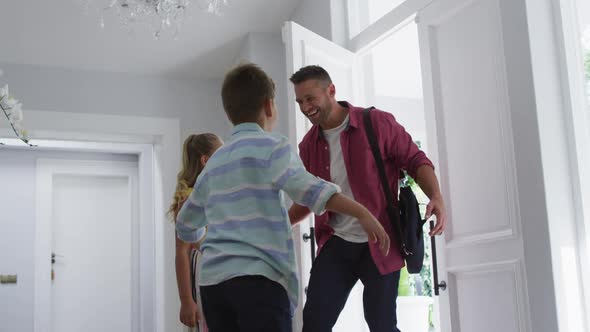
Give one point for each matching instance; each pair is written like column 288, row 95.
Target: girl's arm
column 188, row 308
column 183, row 270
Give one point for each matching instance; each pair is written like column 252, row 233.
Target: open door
column 468, row 113
column 303, row 48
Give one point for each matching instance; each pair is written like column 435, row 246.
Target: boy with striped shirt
column 248, row 273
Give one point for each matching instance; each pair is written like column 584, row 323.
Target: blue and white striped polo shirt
column 239, row 195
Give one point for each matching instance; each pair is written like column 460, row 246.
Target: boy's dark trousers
column 246, row 304
column 338, row 267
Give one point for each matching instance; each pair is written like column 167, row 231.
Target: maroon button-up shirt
column 398, row 152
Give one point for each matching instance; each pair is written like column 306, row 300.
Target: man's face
column 314, row 99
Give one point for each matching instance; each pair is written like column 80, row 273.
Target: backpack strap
column 392, row 210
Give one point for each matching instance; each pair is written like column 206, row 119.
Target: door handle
column 53, row 256
column 310, row 237
column 438, row 286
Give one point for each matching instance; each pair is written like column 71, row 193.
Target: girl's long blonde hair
column 194, row 147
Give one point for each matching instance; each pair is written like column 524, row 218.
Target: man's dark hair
column 244, row 91
column 311, row 73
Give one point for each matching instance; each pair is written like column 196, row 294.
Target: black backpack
column 406, row 221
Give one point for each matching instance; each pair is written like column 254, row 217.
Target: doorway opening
column 392, row 79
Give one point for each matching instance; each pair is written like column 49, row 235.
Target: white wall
column 17, row 225
column 268, row 51
column 314, row 15
column 196, row 103
column 327, row 18
column 244, row 53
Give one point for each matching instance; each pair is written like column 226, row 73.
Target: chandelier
column 12, row 110
column 161, row 15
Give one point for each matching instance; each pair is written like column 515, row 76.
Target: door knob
column 442, row 285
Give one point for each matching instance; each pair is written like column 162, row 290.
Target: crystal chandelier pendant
column 160, row 15
column 212, row 6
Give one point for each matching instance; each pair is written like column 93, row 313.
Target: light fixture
column 11, row 110
column 161, row 15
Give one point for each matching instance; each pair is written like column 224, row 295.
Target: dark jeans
column 335, row 271
column 246, row 304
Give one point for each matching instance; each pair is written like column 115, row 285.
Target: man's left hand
column 436, row 206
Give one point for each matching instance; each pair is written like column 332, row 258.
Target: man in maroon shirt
column 336, row 149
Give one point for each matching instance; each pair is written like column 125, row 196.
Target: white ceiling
column 60, row 33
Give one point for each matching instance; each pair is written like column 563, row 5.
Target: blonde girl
column 195, row 152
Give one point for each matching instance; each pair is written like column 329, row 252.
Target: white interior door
column 303, row 48
column 92, row 207
column 470, row 138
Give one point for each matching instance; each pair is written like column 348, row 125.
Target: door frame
column 386, row 25
column 46, row 170
column 577, row 122
column 156, row 142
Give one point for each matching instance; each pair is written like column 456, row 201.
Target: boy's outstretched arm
column 297, row 213
column 318, row 195
column 341, row 204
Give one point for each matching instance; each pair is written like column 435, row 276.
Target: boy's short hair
column 311, row 73
column 244, row 91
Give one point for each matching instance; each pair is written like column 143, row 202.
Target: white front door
column 91, row 215
column 306, row 48
column 470, row 137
